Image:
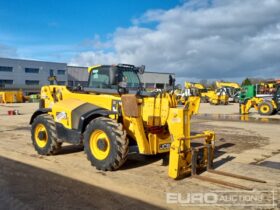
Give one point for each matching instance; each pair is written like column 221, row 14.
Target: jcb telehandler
column 231, row 88
column 113, row 114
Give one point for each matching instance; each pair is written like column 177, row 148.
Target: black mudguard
column 39, row 112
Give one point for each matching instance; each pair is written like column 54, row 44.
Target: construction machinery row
column 9, row 96
column 12, row 97
column 224, row 93
column 263, row 97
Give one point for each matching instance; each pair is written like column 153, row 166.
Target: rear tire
column 265, row 108
column 105, row 144
column 44, row 136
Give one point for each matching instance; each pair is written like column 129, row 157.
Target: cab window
column 99, row 78
column 131, row 78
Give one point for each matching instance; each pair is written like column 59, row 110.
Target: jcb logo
column 164, row 146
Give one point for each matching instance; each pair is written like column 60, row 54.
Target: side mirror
column 141, row 69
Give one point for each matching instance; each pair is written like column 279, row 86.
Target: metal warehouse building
column 155, row 80
column 77, row 75
column 30, row 75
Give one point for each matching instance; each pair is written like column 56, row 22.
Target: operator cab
column 121, row 78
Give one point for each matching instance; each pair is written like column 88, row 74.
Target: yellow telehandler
column 112, row 114
column 232, row 89
column 217, row 97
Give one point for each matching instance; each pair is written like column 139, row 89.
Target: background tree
column 246, row 81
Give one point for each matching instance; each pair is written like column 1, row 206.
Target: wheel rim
column 265, row 109
column 41, row 135
column 98, row 138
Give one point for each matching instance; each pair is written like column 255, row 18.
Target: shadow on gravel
column 20, row 128
column 222, row 161
column 270, row 164
column 27, row 187
column 137, row 160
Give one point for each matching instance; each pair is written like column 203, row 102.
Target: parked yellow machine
column 11, row 97
column 112, row 115
column 211, row 96
column 216, row 98
column 190, row 85
column 232, row 89
column 227, row 84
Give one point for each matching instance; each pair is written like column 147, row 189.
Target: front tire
column 105, row 144
column 44, row 136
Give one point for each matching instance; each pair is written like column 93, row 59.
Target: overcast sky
column 219, row 39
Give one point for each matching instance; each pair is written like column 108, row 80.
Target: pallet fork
column 210, row 169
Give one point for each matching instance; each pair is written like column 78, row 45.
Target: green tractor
column 247, row 92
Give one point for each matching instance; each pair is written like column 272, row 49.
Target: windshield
column 100, row 78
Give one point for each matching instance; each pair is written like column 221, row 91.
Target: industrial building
column 155, row 80
column 30, row 75
column 77, row 75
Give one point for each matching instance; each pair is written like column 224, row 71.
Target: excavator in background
column 264, row 106
column 227, row 84
column 213, row 97
column 232, row 89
